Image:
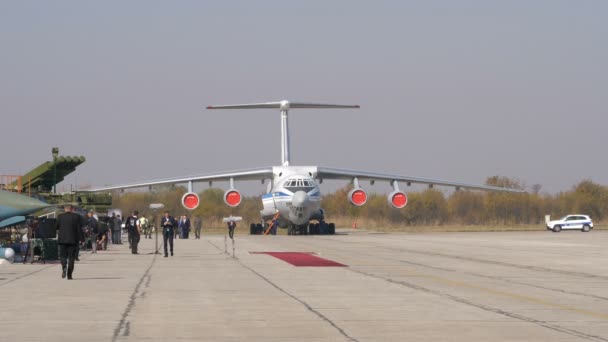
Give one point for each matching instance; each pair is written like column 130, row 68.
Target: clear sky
column 454, row 90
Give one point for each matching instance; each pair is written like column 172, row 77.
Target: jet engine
column 357, row 197
column 232, row 197
column 397, row 199
column 190, row 200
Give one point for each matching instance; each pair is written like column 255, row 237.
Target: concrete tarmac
column 522, row 286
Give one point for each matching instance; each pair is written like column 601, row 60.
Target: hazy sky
column 454, row 90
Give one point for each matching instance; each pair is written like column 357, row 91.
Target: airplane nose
column 300, row 199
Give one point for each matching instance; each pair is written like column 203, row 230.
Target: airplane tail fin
column 284, row 106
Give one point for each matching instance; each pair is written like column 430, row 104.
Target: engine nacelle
column 232, row 197
column 190, row 200
column 357, row 197
column 397, row 199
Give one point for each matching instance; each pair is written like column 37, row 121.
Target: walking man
column 198, row 224
column 133, row 229
column 168, row 225
column 69, row 225
column 184, row 227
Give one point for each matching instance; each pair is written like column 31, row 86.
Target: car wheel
column 557, row 228
column 586, row 228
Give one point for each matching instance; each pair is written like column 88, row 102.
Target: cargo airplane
column 293, row 197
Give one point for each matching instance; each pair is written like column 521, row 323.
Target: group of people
column 115, row 225
column 97, row 232
column 184, row 226
column 73, row 230
column 169, row 225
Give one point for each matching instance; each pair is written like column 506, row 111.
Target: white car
column 580, row 222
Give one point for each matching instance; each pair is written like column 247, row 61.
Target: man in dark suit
column 184, row 227
column 168, row 225
column 69, row 225
column 187, row 227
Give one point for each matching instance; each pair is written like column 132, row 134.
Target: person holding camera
column 168, row 224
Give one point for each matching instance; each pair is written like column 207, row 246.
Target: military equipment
column 17, row 205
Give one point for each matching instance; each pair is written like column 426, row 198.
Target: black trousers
column 67, row 254
column 134, row 242
column 231, row 232
column 168, row 237
column 130, row 238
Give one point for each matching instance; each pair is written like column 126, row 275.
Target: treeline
column 429, row 207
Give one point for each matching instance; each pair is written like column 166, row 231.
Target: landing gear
column 321, row 228
column 256, row 229
column 297, row 230
column 331, row 229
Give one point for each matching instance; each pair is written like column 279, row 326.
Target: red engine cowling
column 232, row 197
column 357, row 197
column 190, row 200
column 397, row 199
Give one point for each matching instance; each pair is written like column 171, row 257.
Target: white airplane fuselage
column 294, row 197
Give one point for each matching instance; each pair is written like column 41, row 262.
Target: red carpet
column 302, row 259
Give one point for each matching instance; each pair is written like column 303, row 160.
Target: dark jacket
column 93, row 225
column 70, row 228
column 131, row 224
column 185, row 224
column 168, row 228
column 117, row 224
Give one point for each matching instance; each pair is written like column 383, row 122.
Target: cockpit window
column 294, row 185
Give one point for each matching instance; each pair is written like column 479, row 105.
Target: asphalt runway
column 522, row 286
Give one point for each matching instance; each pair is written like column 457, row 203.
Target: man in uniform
column 69, row 225
column 198, row 224
column 145, row 227
column 133, row 229
column 93, row 228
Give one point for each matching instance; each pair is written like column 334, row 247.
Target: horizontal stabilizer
column 283, row 105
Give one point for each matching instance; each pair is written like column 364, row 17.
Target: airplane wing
column 250, row 174
column 332, row 173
